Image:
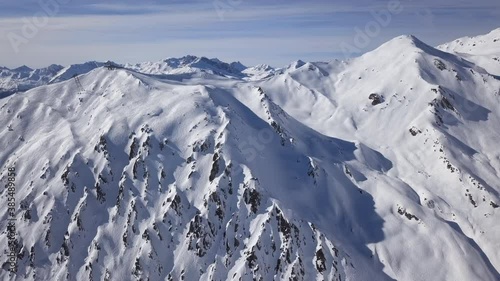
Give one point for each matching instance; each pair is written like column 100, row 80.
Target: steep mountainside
column 383, row 167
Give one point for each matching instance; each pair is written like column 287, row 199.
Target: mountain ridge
column 382, row 167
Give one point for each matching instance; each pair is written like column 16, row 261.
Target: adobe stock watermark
column 223, row 6
column 31, row 26
column 254, row 145
column 372, row 28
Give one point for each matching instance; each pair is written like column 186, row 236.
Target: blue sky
column 273, row 32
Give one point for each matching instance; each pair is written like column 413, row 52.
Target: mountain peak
column 75, row 69
column 191, row 63
column 54, row 66
column 262, row 67
column 238, row 66
column 22, row 68
column 296, row 64
column 404, row 45
column 176, row 62
column 405, row 41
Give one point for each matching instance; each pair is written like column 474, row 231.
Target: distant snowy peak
column 237, row 66
column 296, row 65
column 320, row 69
column 259, row 72
column 190, row 65
column 28, row 71
column 24, row 78
column 74, row 70
column 483, row 50
column 179, row 62
column 407, row 54
column 488, row 44
column 405, row 44
column 262, row 67
column 218, row 66
column 23, row 68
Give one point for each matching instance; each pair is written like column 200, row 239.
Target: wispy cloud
column 274, row 32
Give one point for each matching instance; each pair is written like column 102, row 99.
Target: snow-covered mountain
column 192, row 66
column 483, row 50
column 24, row 78
column 74, row 70
column 384, row 167
column 259, row 72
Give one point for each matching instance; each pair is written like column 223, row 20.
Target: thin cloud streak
column 251, row 31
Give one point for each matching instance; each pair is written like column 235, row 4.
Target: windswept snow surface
column 161, row 171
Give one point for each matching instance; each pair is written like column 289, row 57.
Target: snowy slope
column 445, row 175
column 153, row 174
column 483, row 50
column 24, row 78
column 75, row 70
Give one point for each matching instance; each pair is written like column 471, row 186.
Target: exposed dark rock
column 102, row 146
column 200, row 239
column 414, row 131
column 439, row 64
column 347, row 171
column 64, row 177
column 320, row 261
column 133, row 149
column 408, row 215
column 251, row 259
column 284, row 227
column 445, row 103
column 252, row 197
column 471, row 200
column 27, row 215
column 376, row 98
column 215, row 167
column 100, row 193
column 137, row 268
